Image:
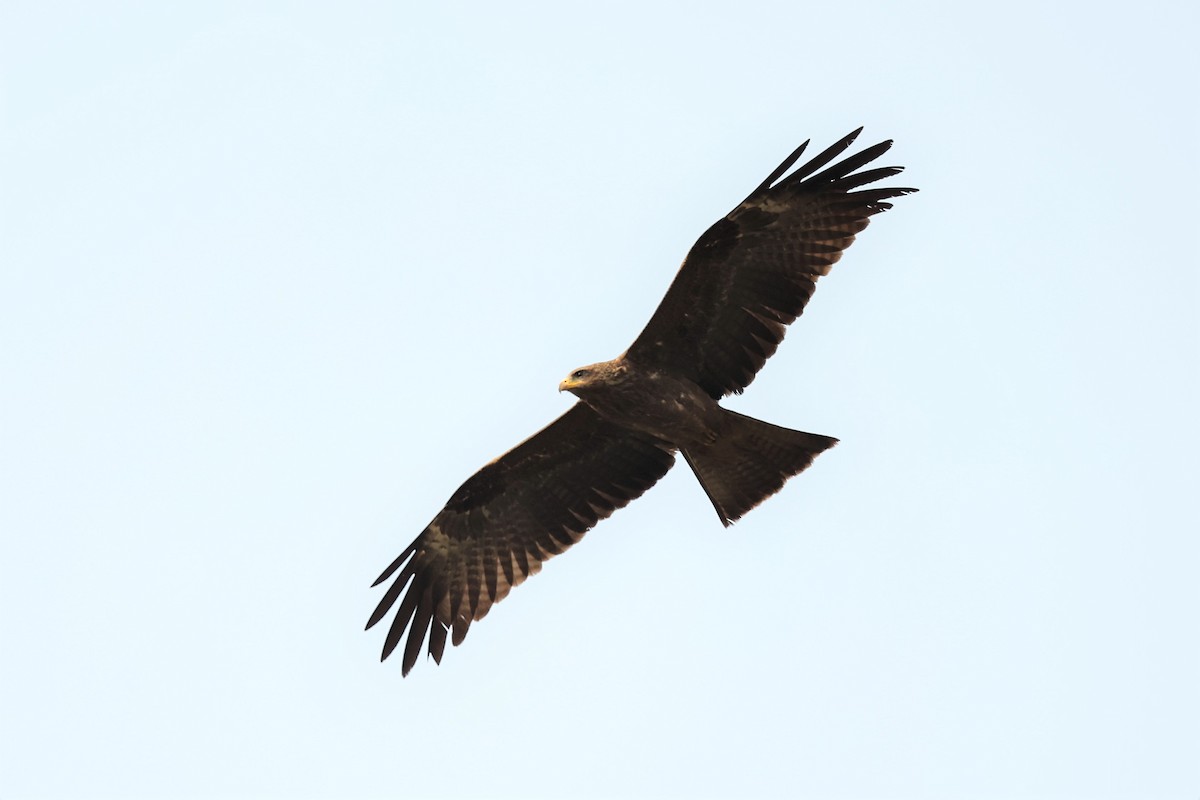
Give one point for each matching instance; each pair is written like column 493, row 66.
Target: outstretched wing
column 532, row 503
column 751, row 273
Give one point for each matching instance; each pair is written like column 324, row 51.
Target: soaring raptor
column 744, row 281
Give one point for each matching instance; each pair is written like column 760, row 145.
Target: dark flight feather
column 532, row 503
column 751, row 274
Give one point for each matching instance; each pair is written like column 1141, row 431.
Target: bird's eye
column 579, row 373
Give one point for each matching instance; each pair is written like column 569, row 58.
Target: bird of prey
column 742, row 283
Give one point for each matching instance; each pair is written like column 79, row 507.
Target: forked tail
column 750, row 462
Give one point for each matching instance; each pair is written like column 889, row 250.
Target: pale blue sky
column 276, row 278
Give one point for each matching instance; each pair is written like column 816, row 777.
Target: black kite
column 743, row 282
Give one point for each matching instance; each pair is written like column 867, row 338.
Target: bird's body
column 746, row 278
column 666, row 406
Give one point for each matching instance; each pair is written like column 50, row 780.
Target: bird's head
column 584, row 378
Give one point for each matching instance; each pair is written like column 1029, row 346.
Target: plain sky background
column 276, row 277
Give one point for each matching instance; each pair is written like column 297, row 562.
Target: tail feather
column 751, row 461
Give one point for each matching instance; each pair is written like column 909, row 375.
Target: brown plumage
column 742, row 283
